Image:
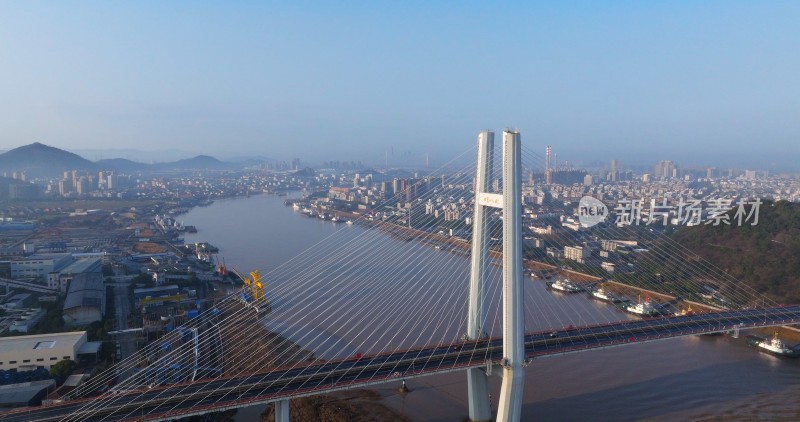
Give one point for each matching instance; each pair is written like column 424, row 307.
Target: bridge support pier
column 282, row 411
column 477, row 384
column 480, row 409
column 510, row 406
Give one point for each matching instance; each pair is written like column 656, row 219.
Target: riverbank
column 269, row 350
column 346, row 406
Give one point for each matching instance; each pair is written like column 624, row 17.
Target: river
column 688, row 378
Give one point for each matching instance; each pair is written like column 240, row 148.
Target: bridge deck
column 217, row 394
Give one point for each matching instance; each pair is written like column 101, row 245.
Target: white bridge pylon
column 510, row 406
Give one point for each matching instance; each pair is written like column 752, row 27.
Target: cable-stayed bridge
column 398, row 308
column 203, row 396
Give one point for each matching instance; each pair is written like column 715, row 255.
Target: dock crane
column 252, row 290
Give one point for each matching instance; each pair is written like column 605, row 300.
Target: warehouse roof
column 40, row 341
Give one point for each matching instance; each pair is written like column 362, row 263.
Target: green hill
column 765, row 257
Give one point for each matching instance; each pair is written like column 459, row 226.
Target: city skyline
column 408, row 161
column 684, row 82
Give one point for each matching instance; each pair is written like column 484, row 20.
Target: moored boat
column 606, row 296
column 564, row 285
column 646, row 308
column 774, row 345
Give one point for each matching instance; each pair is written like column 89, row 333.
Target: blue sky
column 712, row 82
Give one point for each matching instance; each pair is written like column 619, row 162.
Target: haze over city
column 371, row 211
column 710, row 83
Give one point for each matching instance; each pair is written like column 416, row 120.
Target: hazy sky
column 690, row 81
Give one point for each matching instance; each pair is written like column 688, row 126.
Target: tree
column 143, row 279
column 62, row 369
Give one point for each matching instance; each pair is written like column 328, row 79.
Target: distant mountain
column 199, row 162
column 250, row 163
column 121, row 165
column 40, row 160
column 135, row 155
column 306, row 172
column 401, row 173
column 253, row 159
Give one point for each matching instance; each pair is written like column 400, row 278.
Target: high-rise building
column 23, row 191
column 547, row 154
column 398, row 186
column 577, row 253
column 64, row 187
column 614, row 175
column 405, row 188
column 548, row 165
column 112, row 181
column 665, row 169
column 84, row 185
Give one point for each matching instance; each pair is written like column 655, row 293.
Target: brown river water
column 690, row 378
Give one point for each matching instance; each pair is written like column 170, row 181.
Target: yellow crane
column 258, row 288
column 253, row 285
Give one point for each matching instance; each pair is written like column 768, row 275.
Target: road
column 126, row 342
column 204, row 396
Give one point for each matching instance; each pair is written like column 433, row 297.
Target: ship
column 775, row 345
column 647, row 308
column 565, row 286
column 604, row 295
